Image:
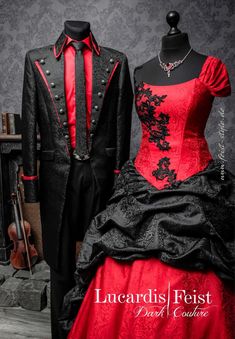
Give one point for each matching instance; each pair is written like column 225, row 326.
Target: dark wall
column 132, row 26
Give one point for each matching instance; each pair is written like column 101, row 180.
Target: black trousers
column 83, row 201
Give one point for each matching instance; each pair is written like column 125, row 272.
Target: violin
column 24, row 255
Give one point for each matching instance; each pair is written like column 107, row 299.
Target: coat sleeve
column 29, row 135
column 124, row 114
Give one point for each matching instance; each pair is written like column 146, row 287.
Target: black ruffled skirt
column 189, row 226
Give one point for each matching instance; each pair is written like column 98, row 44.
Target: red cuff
column 116, row 171
column 27, row 177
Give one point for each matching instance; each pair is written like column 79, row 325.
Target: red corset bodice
column 173, row 120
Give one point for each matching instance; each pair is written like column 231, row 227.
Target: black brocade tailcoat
column 44, row 104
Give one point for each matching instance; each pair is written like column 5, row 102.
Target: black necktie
column 81, row 150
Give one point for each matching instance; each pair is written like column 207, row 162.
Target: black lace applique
column 157, row 126
column 163, row 171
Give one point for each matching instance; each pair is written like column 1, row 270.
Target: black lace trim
column 157, row 126
column 163, row 171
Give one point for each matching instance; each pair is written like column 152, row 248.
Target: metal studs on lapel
column 111, row 61
column 93, row 121
column 96, row 107
column 65, row 124
column 61, row 111
column 91, row 135
column 52, row 84
column 42, row 61
column 66, row 136
column 103, row 82
column 99, row 94
column 107, row 70
column 57, row 97
column 48, row 72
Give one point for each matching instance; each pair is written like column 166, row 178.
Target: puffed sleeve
column 215, row 76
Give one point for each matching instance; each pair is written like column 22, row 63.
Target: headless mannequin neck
column 77, row 30
column 174, row 47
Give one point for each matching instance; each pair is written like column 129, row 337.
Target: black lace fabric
column 146, row 104
column 189, row 225
column 157, row 126
column 163, row 171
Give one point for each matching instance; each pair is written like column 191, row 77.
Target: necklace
column 168, row 67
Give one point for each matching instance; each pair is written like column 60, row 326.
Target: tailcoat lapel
column 51, row 68
column 104, row 66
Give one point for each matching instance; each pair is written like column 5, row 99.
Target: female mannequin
column 175, row 45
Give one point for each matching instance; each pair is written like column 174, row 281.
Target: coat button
column 93, row 121
column 61, row 111
column 99, row 94
column 65, row 124
column 107, row 70
column 91, row 135
column 111, row 61
column 53, row 84
column 57, row 97
column 103, row 82
column 48, row 72
column 42, row 61
column 96, row 107
column 66, row 136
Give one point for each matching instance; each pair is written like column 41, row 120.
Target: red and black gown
column 168, row 228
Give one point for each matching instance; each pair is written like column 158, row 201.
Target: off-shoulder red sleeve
column 215, row 76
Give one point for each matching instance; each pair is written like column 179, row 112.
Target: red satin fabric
column 119, row 320
column 188, row 105
column 69, row 77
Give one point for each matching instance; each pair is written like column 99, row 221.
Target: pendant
column 169, row 67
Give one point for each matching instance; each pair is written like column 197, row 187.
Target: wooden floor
column 18, row 323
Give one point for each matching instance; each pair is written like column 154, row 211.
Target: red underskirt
column 118, row 320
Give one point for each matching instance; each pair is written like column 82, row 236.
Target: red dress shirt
column 69, row 83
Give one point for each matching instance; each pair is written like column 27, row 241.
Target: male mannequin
column 73, row 188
